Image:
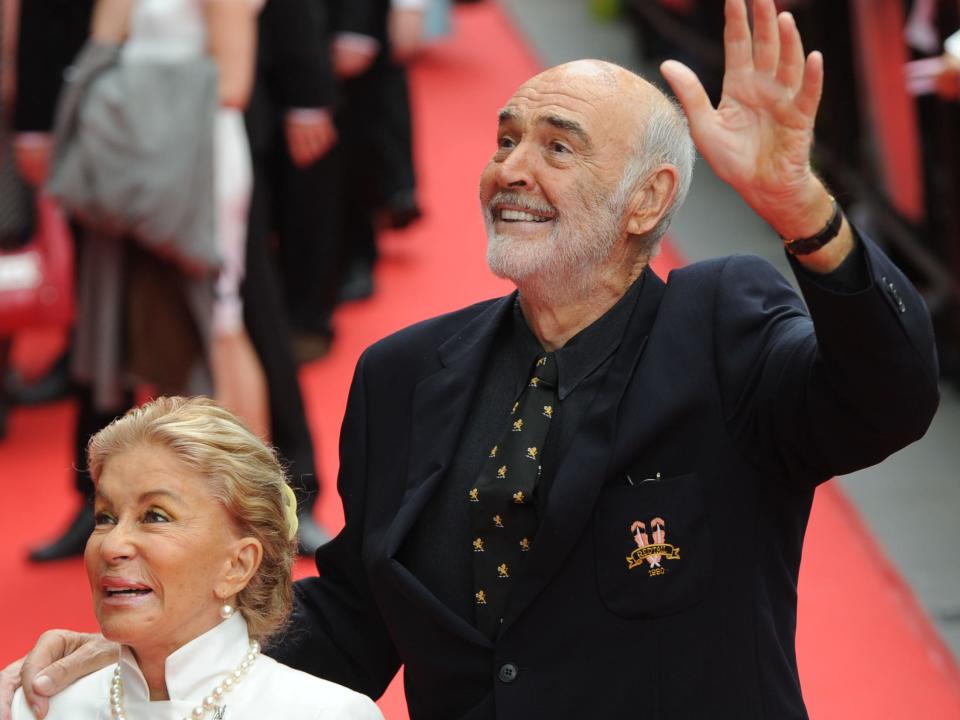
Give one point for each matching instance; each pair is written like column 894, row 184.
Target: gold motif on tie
column 497, row 521
column 542, row 361
column 502, row 472
column 474, row 495
column 534, row 381
column 548, row 411
column 478, row 545
column 519, row 497
column 515, row 406
column 493, row 453
column 503, row 571
column 518, row 425
column 532, row 453
column 481, row 598
column 525, row 545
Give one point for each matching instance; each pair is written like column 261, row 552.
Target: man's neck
column 554, row 316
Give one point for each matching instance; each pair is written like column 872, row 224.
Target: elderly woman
column 190, row 570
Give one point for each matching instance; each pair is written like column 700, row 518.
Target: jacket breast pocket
column 652, row 546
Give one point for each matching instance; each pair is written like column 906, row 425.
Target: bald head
column 590, row 159
column 611, row 88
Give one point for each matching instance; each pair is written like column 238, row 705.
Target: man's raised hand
column 758, row 139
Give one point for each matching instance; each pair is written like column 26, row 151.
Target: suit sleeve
column 336, row 631
column 296, row 48
column 50, row 35
column 814, row 395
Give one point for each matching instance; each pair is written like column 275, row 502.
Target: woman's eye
column 103, row 518
column 155, row 516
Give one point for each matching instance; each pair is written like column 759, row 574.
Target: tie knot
column 545, row 369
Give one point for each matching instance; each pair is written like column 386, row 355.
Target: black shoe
column 72, row 542
column 51, row 386
column 309, row 347
column 402, row 210
column 311, row 535
column 358, row 283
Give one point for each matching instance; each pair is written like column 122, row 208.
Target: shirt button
column 508, row 672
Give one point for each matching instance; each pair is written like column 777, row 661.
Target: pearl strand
column 226, row 685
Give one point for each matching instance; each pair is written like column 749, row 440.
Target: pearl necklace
column 228, row 683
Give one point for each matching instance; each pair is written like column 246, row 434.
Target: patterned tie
column 505, row 516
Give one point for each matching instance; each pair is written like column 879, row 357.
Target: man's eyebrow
column 571, row 126
column 507, row 115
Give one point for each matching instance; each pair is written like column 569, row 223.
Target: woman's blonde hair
column 245, row 477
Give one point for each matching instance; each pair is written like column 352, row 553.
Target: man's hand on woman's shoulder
column 9, row 682
column 59, row 658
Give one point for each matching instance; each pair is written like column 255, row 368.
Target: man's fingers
column 9, row 682
column 60, row 658
column 790, row 72
column 766, row 37
column 737, row 45
column 808, row 97
column 689, row 91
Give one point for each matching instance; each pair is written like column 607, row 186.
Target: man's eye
column 505, row 142
column 104, row 518
column 155, row 516
column 559, row 147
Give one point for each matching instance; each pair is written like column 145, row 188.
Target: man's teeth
column 521, row 216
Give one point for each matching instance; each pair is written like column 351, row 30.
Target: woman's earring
column 227, row 611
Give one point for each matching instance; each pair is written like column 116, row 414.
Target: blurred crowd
column 212, row 232
column 887, row 140
column 305, row 154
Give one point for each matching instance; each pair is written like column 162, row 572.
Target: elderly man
column 588, row 498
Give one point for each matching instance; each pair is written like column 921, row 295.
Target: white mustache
column 519, row 201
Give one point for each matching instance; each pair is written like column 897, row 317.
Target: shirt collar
column 196, row 668
column 585, row 351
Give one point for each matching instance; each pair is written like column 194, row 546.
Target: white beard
column 565, row 264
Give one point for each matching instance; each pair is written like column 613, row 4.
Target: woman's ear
column 652, row 200
column 241, row 565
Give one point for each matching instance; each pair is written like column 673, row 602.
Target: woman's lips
column 119, row 591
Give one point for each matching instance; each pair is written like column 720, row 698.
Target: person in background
column 190, row 573
column 50, row 34
column 290, row 126
column 173, row 330
column 372, row 42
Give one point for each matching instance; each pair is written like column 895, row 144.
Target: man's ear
column 652, row 199
column 241, row 565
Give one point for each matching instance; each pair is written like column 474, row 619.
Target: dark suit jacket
column 721, row 386
column 293, row 69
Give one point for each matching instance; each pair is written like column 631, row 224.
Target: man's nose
column 517, row 169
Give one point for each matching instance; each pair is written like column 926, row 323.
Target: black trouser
column 308, row 232
column 266, row 321
column 90, row 421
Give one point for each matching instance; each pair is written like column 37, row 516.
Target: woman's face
column 161, row 551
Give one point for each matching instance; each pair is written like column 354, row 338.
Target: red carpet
column 866, row 649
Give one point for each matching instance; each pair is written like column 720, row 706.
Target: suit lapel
column 440, row 405
column 584, row 466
